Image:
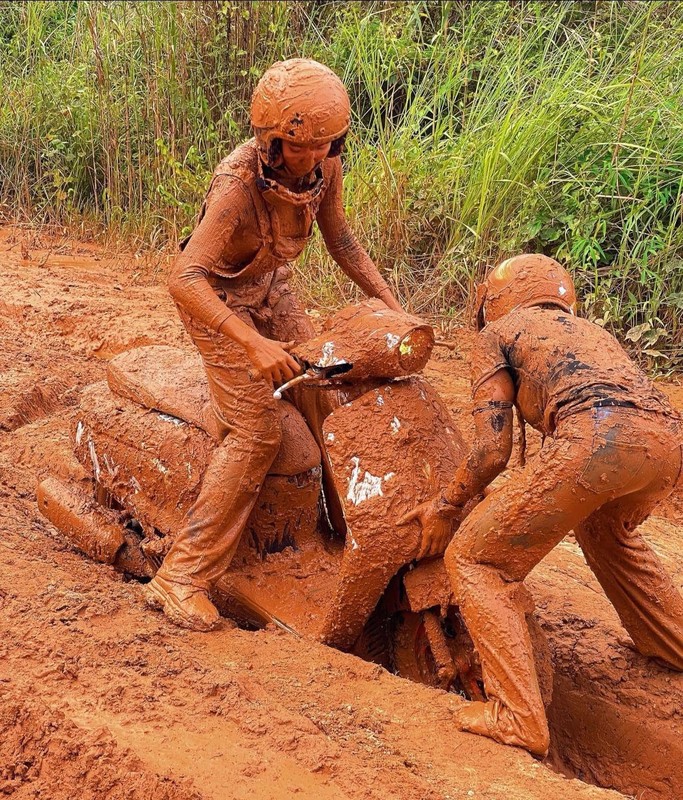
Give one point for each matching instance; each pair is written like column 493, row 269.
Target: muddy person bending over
column 612, row 452
column 230, row 286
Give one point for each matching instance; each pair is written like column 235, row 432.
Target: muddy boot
column 482, row 718
column 185, row 605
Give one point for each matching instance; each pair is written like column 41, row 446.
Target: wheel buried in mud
column 419, row 656
column 413, row 658
column 436, row 652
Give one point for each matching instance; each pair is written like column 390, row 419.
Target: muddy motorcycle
column 321, row 555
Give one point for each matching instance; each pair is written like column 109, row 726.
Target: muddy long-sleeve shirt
column 246, row 231
column 560, row 364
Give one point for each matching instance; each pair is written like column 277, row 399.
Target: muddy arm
column 188, row 280
column 492, row 445
column 343, row 246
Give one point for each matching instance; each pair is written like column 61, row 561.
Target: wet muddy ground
column 101, row 698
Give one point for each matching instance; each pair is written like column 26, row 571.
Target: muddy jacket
column 249, row 227
column 560, row 365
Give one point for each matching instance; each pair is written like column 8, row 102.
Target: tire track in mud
column 130, row 706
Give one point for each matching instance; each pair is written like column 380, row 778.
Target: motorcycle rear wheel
column 412, row 655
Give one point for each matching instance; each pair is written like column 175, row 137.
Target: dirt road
column 101, row 698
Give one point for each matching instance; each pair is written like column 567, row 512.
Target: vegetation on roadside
column 481, row 129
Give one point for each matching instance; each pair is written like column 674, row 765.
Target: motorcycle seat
column 172, row 381
column 166, row 379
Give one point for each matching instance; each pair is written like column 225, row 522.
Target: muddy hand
column 271, row 358
column 436, row 531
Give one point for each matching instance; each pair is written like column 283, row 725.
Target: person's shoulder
column 234, row 177
column 530, row 319
column 242, row 163
column 332, row 169
column 499, row 327
column 489, row 338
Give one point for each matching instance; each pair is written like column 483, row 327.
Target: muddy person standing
column 612, row 452
column 230, row 284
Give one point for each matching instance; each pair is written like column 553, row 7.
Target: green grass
column 481, row 129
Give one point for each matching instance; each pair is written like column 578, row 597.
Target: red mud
column 101, row 698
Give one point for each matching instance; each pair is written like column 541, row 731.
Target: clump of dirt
column 43, row 754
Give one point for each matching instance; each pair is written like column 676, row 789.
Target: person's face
column 300, row 159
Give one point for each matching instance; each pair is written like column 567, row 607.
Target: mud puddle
column 101, row 698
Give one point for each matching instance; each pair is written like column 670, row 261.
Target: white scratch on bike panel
column 354, row 543
column 109, row 464
column 94, row 459
column 159, row 465
column 362, row 489
column 170, row 418
column 328, row 358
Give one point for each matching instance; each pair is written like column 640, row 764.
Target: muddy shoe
column 477, row 717
column 186, row 606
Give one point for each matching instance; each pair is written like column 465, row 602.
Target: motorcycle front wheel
column 418, row 653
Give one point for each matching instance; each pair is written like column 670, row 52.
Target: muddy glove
column 436, row 530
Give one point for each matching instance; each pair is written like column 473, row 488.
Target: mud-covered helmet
column 301, row 101
column 521, row 282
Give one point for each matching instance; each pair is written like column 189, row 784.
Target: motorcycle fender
column 390, row 449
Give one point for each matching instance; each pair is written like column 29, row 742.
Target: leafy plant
column 480, row 129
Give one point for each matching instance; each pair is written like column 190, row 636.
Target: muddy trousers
column 249, row 421
column 601, row 476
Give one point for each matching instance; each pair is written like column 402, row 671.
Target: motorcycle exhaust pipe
column 85, row 524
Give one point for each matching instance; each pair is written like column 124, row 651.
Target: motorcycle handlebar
column 313, row 373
